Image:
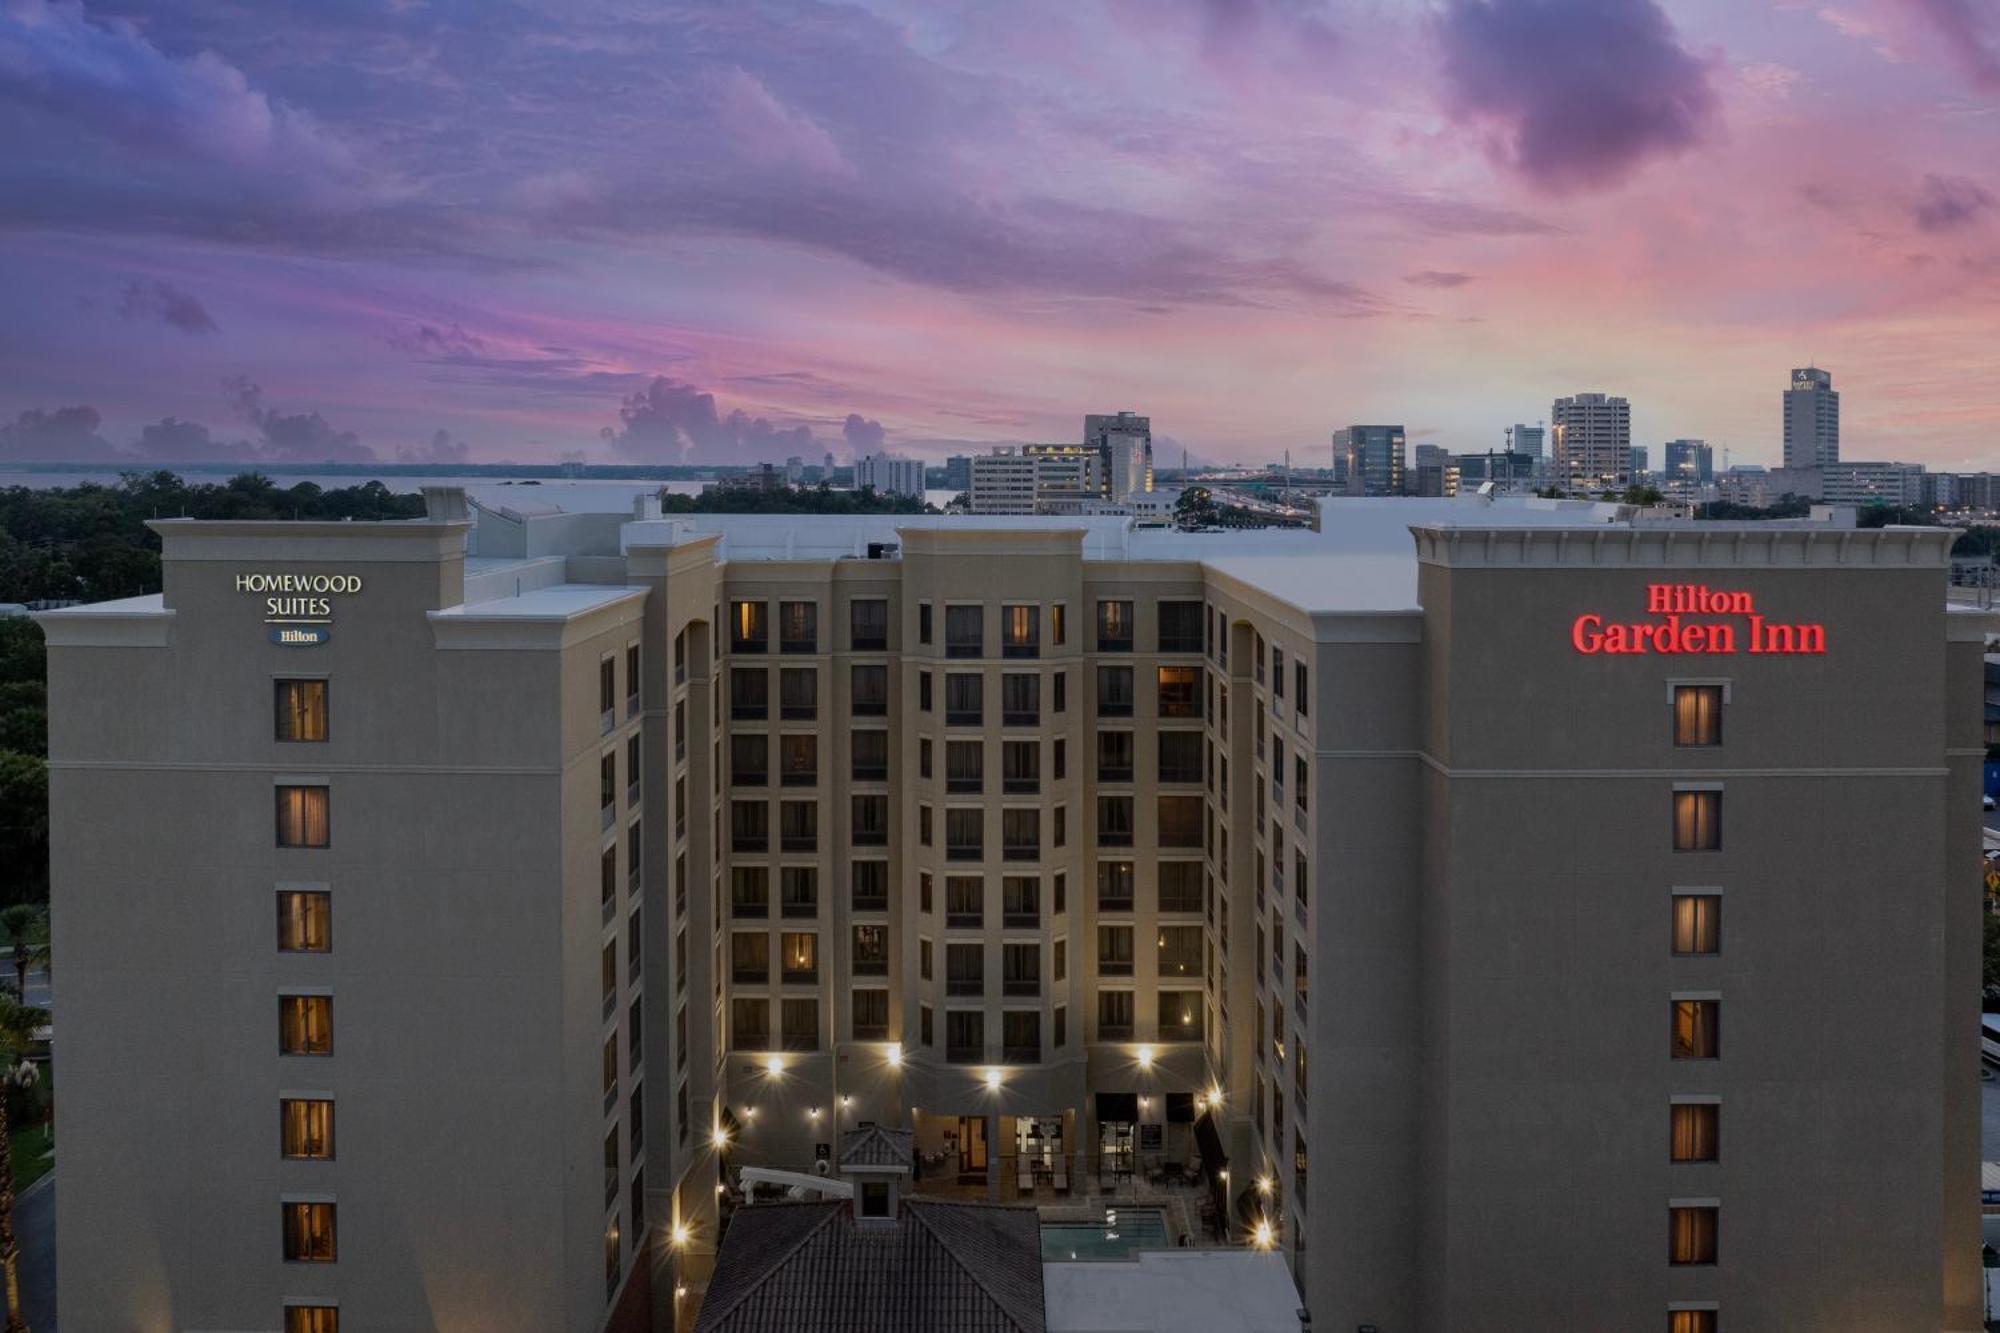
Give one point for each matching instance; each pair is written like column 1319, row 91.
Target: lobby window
column 964, row 969
column 303, row 819
column 1180, row 1015
column 799, row 950
column 1020, row 699
column 871, row 1015
column 798, row 760
column 964, row 634
column 870, row 752
column 1021, row 1037
column 1691, row 1321
column 798, row 627
column 1180, row 756
column 798, row 826
column 1181, row 627
column 1114, row 821
column 964, row 767
column 964, row 1036
column 1114, row 756
column 305, row 1127
column 870, row 691
column 868, row 624
column 1021, row 835
column 1697, row 923
column 749, row 694
column 749, row 892
column 923, row 622
column 1020, row 631
column 301, row 710
column 1691, row 1234
column 750, row 958
column 1114, row 951
column 1180, row 691
column 1697, row 715
column 1697, row 1029
column 869, row 815
column 871, row 951
column 1697, row 821
column 1114, row 627
column 1114, row 886
column 963, row 702
column 748, row 630
column 305, row 921
column 1695, row 1132
column 312, row 1319
column 1115, row 1009
column 305, row 1025
column 1180, row 821
column 750, row 826
column 798, row 694
column 964, row 833
column 750, row 1024
column 309, row 1233
column 868, row 886
column 749, row 759
column 964, row 902
column 1020, row 767
column 1114, row 691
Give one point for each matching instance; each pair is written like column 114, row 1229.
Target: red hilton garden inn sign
column 1674, row 632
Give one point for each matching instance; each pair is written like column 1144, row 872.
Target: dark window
column 964, row 766
column 749, row 694
column 798, row 760
column 798, row 891
column 301, row 710
column 1021, row 902
column 1180, row 886
column 871, row 951
column 964, row 632
column 1059, row 695
column 1180, row 1015
column 1181, row 626
column 964, row 1036
column 1020, row 767
column 1114, row 691
column 868, row 624
column 750, row 826
column 749, row 892
column 963, row 706
column 869, row 886
column 1114, row 951
column 798, row 694
column 798, row 627
column 871, row 691
column 1300, row 692
column 870, row 756
column 923, row 622
column 1020, row 699
column 1114, row 1015
column 1114, row 627
column 1180, row 756
column 1021, row 1036
column 798, row 1023
column 1114, row 886
column 750, row 958
column 923, row 691
column 871, row 1015
column 798, row 826
column 964, row 834
column 874, row 1198
column 1114, row 756
column 1114, row 821
column 870, row 817
column 750, row 1024
column 1021, row 835
column 964, row 902
column 964, row 969
column 749, row 759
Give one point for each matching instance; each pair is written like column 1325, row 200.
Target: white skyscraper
column 1593, row 440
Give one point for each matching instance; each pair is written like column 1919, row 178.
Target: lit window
column 1697, row 1031
column 748, row 632
column 1697, row 821
column 302, row 817
column 1697, row 715
column 305, row 921
column 301, row 710
column 305, row 1025
column 1697, row 923
column 1691, row 1235
column 312, row 1319
column 307, row 1127
column 1696, row 1132
column 309, row 1233
column 1691, row 1321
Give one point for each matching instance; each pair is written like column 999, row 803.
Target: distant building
column 958, row 472
column 1433, row 473
column 1640, row 460
column 1369, row 459
column 1593, row 441
column 1525, row 440
column 1688, row 461
column 795, row 469
column 889, row 474
column 1812, row 420
column 1020, row 479
column 1508, row 471
column 1124, row 444
column 1866, row 483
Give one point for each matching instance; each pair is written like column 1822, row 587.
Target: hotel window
column 870, row 751
column 1114, row 691
column 1059, row 692
column 868, row 886
column 1180, row 691
column 1181, row 627
column 1697, row 923
column 871, row 1015
column 312, row 1319
column 1059, row 827
column 1058, row 624
column 607, row 784
column 869, row 816
column 799, row 950
column 748, row 632
column 1021, row 1037
column 750, row 958
column 871, row 951
column 1691, row 1321
column 964, row 1036
column 1697, row 715
column 635, row 956
column 1059, row 756
column 1114, row 821
column 608, row 975
column 308, row 1233
column 868, row 624
column 749, row 694
column 1114, row 951
column 924, row 752
column 926, row 1026
column 636, row 1117
column 1021, row 835
column 305, row 921
column 632, row 680
column 1114, row 756
column 750, row 1024
column 1115, row 1009
column 635, row 1050
column 1059, row 961
column 303, row 820
column 681, row 657
column 963, row 702
column 301, row 710
column 1277, row 672
column 964, row 767
column 750, row 826
column 923, row 691
column 1299, row 771
column 798, row 891
column 798, row 826
column 1180, row 886
column 925, row 954
column 1697, row 821
column 923, row 826
column 1180, row 756
column 680, row 730
column 1691, row 1231
column 749, row 760
column 1114, row 627
column 607, row 690
column 1020, row 767
column 923, row 622
column 1020, row 699
column 798, row 760
column 749, row 891
column 1059, row 1035
column 870, row 691
column 1114, row 886
column 1059, row 896
column 1179, row 951
column 306, row 1128
column 633, row 769
column 798, row 627
column 1180, row 821
column 925, row 900
column 1697, row 1029
column 964, row 902
column 1020, row 632
column 305, row 1025
column 964, row 969
column 614, row 1256
column 964, row 833
column 1299, row 681
column 798, row 1024
column 798, row 694
column 1696, row 1132
column 964, row 635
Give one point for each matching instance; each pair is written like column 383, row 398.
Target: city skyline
column 732, row 235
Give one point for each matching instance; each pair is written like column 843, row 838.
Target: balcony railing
column 1114, row 967
column 1020, row 786
column 965, row 986
column 1021, row 1055
column 964, row 851
column 964, row 717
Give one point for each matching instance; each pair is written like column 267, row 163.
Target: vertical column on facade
column 1235, row 904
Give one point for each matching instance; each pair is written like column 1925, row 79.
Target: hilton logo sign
column 299, row 607
column 1733, row 625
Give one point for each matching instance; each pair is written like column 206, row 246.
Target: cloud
column 443, row 447
column 429, row 340
column 167, row 303
column 301, row 438
column 672, row 421
column 768, row 132
column 170, row 440
column 58, row 435
column 1576, row 94
column 1772, row 80
column 862, row 435
column 1971, row 28
column 1949, row 202
column 1431, row 277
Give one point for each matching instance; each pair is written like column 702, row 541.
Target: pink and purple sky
column 292, row 230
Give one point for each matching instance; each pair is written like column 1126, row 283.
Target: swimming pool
column 1124, row 1232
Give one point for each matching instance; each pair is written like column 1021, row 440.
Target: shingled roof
column 875, row 1147
column 944, row 1267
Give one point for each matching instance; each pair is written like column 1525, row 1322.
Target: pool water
column 1134, row 1229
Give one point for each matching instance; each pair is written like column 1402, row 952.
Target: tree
column 18, row 1024
column 24, row 929
column 24, row 828
column 1637, row 494
column 1196, row 508
column 1992, row 954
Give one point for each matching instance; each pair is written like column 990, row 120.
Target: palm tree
column 18, row 1024
column 24, row 928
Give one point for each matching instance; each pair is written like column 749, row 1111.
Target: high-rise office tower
column 1370, row 458
column 1812, row 420
column 1593, row 440
column 1640, row 460
column 1525, row 440
column 1689, row 461
column 1124, row 441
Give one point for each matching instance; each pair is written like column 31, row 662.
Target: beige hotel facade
column 1559, row 920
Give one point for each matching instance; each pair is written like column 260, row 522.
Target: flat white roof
column 560, row 602
column 1173, row 1291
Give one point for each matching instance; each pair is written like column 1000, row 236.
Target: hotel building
column 446, row 907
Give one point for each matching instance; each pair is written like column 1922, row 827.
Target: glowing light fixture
column 721, row 1139
column 992, row 1078
column 1145, row 1057
column 774, row 1065
column 1262, row 1237
column 1263, row 1184
column 681, row 1234
column 894, row 1055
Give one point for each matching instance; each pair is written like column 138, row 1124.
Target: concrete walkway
column 35, row 1234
